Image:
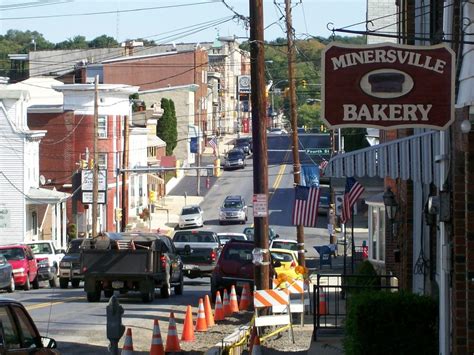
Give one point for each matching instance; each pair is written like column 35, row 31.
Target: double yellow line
column 52, row 303
column 279, row 177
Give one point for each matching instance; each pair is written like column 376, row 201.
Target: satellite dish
column 42, row 180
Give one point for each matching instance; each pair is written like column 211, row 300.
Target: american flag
column 305, row 209
column 351, row 194
column 213, row 143
column 322, row 166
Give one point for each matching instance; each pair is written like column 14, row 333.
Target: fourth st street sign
column 388, row 86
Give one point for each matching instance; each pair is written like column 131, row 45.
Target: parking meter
column 115, row 328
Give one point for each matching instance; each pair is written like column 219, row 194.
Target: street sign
column 193, row 145
column 87, row 197
column 318, row 151
column 388, row 86
column 260, row 205
column 87, row 180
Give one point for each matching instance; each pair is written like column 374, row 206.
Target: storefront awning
column 409, row 158
column 40, row 196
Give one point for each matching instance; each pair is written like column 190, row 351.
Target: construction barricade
column 299, row 296
column 268, row 299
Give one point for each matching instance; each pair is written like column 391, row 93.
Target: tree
column 166, row 128
column 103, row 41
column 78, row 42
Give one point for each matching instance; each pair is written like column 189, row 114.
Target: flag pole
column 345, row 248
column 352, row 239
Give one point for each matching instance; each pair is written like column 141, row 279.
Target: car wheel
column 221, row 223
column 75, row 283
column 108, row 293
column 54, row 281
column 93, row 296
column 11, row 288
column 27, row 284
column 148, row 297
column 165, row 290
column 178, row 290
column 63, row 282
column 36, row 284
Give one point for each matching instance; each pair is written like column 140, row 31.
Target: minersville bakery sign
column 388, row 86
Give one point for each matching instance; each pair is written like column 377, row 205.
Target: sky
column 173, row 21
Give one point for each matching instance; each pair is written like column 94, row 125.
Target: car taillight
column 213, row 255
column 163, row 261
column 293, row 264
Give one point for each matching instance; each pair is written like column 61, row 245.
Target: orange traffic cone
column 156, row 341
column 245, row 298
column 227, row 310
column 234, row 305
column 218, row 310
column 128, row 343
column 188, row 329
column 172, row 340
column 208, row 311
column 256, row 349
column 201, row 324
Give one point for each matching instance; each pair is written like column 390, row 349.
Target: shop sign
column 388, row 86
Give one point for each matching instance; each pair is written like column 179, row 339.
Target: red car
column 234, row 267
column 23, row 262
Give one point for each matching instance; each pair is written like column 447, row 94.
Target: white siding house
column 19, row 175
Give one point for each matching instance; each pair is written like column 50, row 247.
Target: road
column 79, row 327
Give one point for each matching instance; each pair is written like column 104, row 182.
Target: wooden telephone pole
column 259, row 119
column 294, row 122
column 125, row 159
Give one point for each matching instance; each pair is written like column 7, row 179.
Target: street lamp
column 391, row 208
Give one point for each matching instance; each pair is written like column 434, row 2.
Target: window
column 377, row 233
column 102, row 161
column 102, row 127
column 28, row 332
column 34, row 223
column 12, row 338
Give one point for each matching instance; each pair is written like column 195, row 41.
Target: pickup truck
column 199, row 251
column 70, row 267
column 131, row 261
column 48, row 258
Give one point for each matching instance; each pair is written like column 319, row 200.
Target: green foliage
column 309, row 116
column 354, row 138
column 391, row 323
column 365, row 279
column 166, row 128
column 103, row 41
column 77, row 42
column 71, row 231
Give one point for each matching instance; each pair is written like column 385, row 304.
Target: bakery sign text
column 388, row 86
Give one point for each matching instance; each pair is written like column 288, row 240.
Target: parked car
column 48, row 258
column 278, row 131
column 233, row 209
column 24, row 264
column 70, row 265
column 235, row 158
column 287, row 262
column 7, row 280
column 289, row 244
column 225, row 237
column 199, row 250
column 244, row 143
column 191, row 216
column 249, row 232
column 18, row 332
column 324, row 199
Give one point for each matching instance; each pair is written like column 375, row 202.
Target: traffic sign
column 260, row 205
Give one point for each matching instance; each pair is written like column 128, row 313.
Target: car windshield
column 239, row 253
column 242, row 141
column 234, row 155
column 74, row 246
column 232, row 204
column 13, row 253
column 41, row 248
column 202, row 237
column 283, row 257
column 284, row 245
column 190, row 210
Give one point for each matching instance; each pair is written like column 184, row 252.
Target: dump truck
column 129, row 261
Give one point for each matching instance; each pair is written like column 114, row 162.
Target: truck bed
column 117, row 262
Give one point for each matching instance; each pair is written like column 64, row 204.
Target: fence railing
column 331, row 293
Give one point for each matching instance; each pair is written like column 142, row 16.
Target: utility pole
column 260, row 159
column 294, row 122
column 95, row 172
column 198, row 160
column 126, row 131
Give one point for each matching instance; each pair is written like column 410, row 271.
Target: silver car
column 234, row 209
